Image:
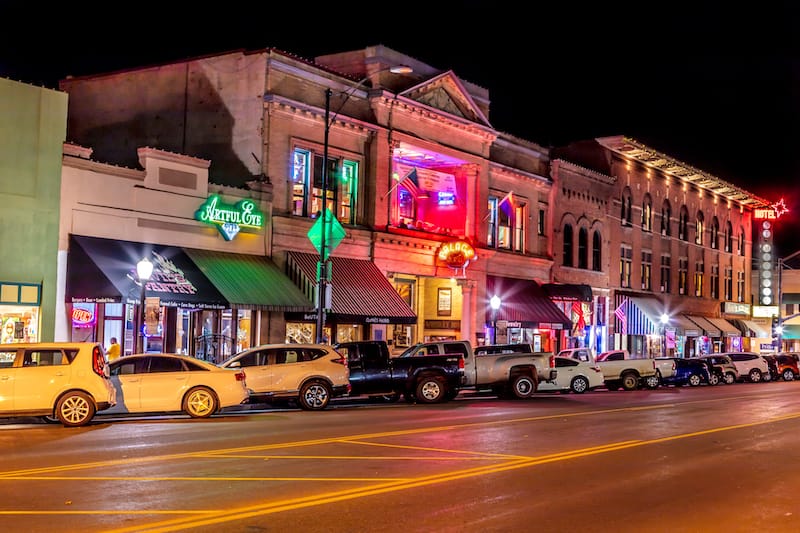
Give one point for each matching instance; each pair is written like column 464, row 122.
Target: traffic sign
column 333, row 235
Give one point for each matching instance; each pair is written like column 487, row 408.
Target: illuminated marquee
column 456, row 254
column 229, row 219
column 773, row 212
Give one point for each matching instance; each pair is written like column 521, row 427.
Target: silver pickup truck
column 506, row 370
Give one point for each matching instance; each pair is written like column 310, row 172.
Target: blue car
column 692, row 372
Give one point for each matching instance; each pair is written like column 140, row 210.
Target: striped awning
column 360, row 293
column 643, row 315
column 709, row 329
column 524, row 301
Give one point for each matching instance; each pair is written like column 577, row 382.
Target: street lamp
column 323, row 268
column 495, row 303
column 144, row 269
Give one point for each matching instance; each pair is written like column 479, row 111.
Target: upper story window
column 597, row 252
column 666, row 273
column 429, row 200
column 666, row 216
column 506, row 223
column 540, row 222
column 683, row 275
column 647, row 213
column 715, row 233
column 699, row 275
column 626, row 214
column 307, row 194
column 568, row 245
column 699, row 228
column 583, row 248
column 625, row 265
column 728, row 237
column 741, row 241
column 683, row 224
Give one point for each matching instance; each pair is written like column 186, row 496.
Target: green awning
column 250, row 281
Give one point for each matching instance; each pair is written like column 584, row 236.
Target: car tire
column 630, row 381
column 754, row 376
column 431, row 389
column 714, row 379
column 314, row 396
column 200, row 402
column 579, row 385
column 75, row 409
column 523, row 386
column 729, row 378
column 694, row 380
column 652, row 382
column 788, row 375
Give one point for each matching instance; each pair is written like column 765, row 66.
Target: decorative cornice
column 583, row 171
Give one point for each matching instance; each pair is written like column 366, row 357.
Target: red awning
column 524, row 301
column 360, row 291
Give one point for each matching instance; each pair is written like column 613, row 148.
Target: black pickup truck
column 422, row 379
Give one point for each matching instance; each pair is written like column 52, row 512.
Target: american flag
column 409, row 182
column 620, row 314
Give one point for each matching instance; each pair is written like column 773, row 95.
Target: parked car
column 722, row 369
column 311, row 374
column 750, row 365
column 574, row 375
column 782, row 366
column 155, row 383
column 692, row 372
column 65, row 382
column 580, row 354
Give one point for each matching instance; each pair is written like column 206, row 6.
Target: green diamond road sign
column 333, row 235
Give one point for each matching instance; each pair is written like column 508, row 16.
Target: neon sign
column 771, row 213
column 228, row 218
column 456, row 254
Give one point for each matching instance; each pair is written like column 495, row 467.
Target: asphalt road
column 703, row 459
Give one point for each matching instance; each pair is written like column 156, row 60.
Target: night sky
column 710, row 84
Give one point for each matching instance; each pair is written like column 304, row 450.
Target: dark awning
column 104, row 271
column 525, row 302
column 250, row 281
column 360, row 293
column 702, row 322
column 568, row 291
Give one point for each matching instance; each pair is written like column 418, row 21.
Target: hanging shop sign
column 456, row 254
column 230, row 219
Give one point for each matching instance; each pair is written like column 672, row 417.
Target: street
column 705, row 459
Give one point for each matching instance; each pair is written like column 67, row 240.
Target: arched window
column 741, row 240
column 715, row 233
column 683, row 224
column 583, row 248
column 728, row 237
column 700, row 228
column 666, row 216
column 597, row 255
column 567, row 245
column 627, row 208
column 647, row 213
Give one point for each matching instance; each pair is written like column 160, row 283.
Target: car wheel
column 200, row 402
column 431, row 389
column 75, row 409
column 694, row 380
column 788, row 375
column 579, row 385
column 729, row 378
column 523, row 386
column 652, row 382
column 314, row 395
column 713, row 379
column 754, row 376
column 630, row 381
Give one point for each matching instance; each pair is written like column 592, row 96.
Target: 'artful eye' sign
column 228, row 218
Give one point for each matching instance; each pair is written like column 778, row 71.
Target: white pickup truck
column 506, row 370
column 622, row 371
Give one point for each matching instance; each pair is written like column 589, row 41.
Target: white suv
column 67, row 381
column 751, row 366
column 312, row 374
column 581, row 354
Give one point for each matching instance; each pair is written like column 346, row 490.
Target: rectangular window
column 300, row 176
column 519, row 228
column 683, row 275
column 714, row 281
column 728, row 283
column 342, row 184
column 625, row 262
column 506, row 224
column 647, row 267
column 740, row 286
column 540, row 223
column 666, row 270
column 699, row 273
column 491, row 238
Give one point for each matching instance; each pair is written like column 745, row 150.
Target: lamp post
column 144, row 269
column 495, row 303
column 664, row 319
column 323, row 268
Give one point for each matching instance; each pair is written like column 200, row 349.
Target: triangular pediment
column 447, row 93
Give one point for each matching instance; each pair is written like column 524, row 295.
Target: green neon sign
column 228, row 218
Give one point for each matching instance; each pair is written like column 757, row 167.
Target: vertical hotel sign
column 230, row 219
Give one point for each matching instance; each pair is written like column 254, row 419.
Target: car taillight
column 552, row 361
column 98, row 362
column 341, row 360
column 241, row 376
column 461, row 364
